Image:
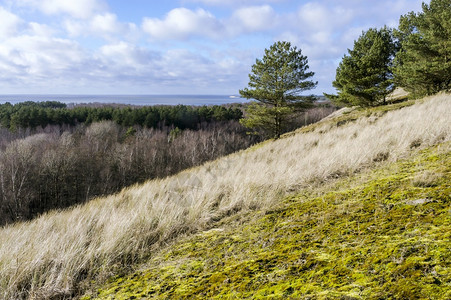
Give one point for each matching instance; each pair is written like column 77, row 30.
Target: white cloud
column 234, row 2
column 9, row 23
column 195, row 71
column 170, row 71
column 32, row 58
column 124, row 54
column 74, row 28
column 104, row 25
column 108, row 25
column 316, row 16
column 35, row 60
column 254, row 18
column 317, row 28
column 37, row 29
column 182, row 23
column 76, row 8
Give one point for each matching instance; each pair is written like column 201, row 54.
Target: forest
column 34, row 114
column 53, row 157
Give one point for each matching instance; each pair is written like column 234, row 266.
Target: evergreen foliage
column 276, row 82
column 364, row 76
column 423, row 66
column 35, row 114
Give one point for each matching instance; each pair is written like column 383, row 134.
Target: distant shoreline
column 127, row 99
column 138, row 100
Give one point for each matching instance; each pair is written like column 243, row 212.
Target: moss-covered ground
column 381, row 234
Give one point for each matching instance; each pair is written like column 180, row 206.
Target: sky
column 173, row 46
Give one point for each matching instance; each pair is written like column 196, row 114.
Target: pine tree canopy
column 276, row 82
column 364, row 76
column 423, row 66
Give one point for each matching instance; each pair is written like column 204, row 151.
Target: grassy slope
column 382, row 233
column 61, row 254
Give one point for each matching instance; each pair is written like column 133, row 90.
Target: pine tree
column 364, row 76
column 276, row 82
column 423, row 66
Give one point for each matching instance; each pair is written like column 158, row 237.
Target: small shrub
column 381, row 156
column 415, row 143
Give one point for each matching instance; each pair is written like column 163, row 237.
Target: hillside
column 356, row 206
column 382, row 234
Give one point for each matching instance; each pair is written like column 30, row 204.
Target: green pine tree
column 364, row 77
column 276, row 82
column 423, row 66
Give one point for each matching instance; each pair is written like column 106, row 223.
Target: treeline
column 41, row 114
column 49, row 170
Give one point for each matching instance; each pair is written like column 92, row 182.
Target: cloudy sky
column 172, row 46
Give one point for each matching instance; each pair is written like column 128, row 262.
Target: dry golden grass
column 398, row 94
column 52, row 255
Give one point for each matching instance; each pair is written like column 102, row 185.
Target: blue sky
column 173, row 47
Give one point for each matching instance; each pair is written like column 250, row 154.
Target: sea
column 141, row 100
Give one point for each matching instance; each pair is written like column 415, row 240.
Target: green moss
column 378, row 235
